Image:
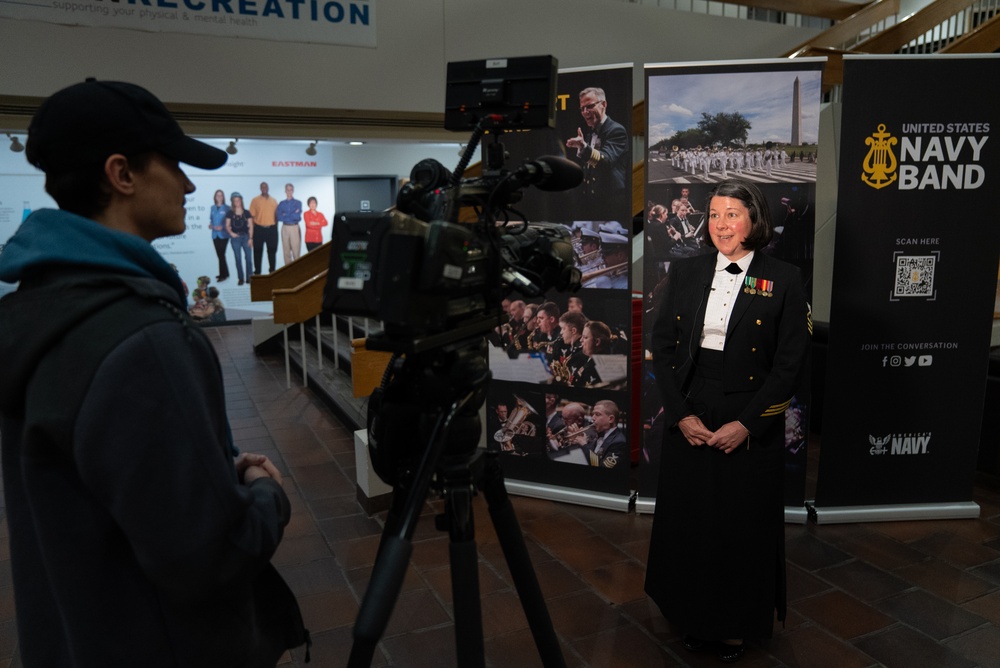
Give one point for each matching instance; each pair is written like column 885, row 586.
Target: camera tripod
column 441, row 391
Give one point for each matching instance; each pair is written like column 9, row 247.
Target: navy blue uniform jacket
column 766, row 341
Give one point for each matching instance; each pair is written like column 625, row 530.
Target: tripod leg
column 464, row 559
column 519, row 563
column 396, row 546
column 387, row 579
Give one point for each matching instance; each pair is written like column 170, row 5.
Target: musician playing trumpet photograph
column 613, row 273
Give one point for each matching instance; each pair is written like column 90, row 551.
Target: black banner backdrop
column 753, row 120
column 558, row 405
column 916, row 251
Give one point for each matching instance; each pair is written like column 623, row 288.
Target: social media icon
column 925, row 360
column 909, row 361
column 895, row 360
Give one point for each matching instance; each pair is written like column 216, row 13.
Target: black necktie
column 734, row 268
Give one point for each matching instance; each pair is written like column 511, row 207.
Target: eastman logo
column 880, row 163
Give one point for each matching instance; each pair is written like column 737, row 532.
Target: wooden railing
column 844, row 35
column 932, row 28
column 983, row 39
column 301, row 302
column 297, row 288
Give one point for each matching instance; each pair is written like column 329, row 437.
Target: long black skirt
column 716, row 565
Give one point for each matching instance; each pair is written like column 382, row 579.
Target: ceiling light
column 311, row 150
column 231, row 149
column 15, row 143
column 356, row 143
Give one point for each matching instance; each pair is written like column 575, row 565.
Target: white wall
column 416, row 39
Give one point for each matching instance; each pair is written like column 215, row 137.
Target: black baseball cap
column 80, row 126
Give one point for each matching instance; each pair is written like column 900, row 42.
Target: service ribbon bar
column 758, row 286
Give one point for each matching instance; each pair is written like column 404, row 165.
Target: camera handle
column 456, row 470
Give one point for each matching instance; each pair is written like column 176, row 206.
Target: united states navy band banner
column 708, row 122
column 559, row 405
column 914, row 278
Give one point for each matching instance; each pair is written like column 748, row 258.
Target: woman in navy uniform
column 728, row 345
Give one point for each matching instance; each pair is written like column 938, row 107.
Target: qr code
column 915, row 276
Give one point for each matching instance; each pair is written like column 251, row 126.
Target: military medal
column 758, row 286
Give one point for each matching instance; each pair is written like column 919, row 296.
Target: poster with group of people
column 215, row 262
column 708, row 123
column 259, row 212
column 251, row 234
column 559, row 404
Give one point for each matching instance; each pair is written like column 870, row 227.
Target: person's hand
column 578, row 141
column 252, row 467
column 250, row 242
column 728, row 437
column 694, row 430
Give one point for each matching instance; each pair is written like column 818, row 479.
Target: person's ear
column 119, row 175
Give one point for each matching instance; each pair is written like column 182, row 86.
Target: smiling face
column 592, row 108
column 729, row 224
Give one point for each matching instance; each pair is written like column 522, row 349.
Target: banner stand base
column 793, row 514
column 580, row 497
column 894, row 512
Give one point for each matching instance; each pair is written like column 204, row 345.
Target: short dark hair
column 574, row 319
column 761, row 227
column 312, row 199
column 550, row 309
column 83, row 191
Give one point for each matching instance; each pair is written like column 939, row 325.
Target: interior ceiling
column 373, row 126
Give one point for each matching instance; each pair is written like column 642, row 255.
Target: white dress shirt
column 725, row 288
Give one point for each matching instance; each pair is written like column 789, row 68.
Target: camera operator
column 136, row 537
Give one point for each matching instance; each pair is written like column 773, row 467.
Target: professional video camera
column 437, row 285
column 431, row 279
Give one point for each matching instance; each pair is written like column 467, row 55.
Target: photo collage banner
column 914, row 281
column 559, row 405
column 708, row 122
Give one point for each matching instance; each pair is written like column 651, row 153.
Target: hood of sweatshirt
column 69, row 268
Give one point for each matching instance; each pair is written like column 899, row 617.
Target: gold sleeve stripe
column 776, row 409
column 595, row 157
